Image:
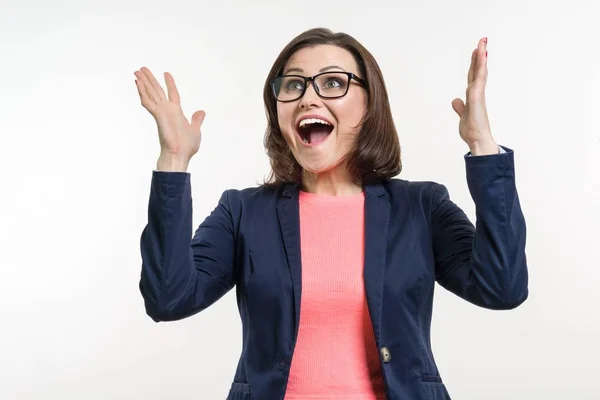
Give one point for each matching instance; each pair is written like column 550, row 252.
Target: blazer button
column 386, row 355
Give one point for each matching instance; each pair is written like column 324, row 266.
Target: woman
column 334, row 262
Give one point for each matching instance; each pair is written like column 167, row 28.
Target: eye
column 293, row 85
column 333, row 83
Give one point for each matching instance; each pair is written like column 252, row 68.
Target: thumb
column 197, row 119
column 459, row 106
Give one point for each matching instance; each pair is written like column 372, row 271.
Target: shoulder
column 253, row 193
column 250, row 196
column 423, row 191
column 421, row 199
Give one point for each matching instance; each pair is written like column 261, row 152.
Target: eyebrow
column 327, row 68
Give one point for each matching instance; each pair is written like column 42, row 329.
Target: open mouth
column 314, row 130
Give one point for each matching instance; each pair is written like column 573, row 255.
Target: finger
column 147, row 102
column 481, row 71
column 197, row 119
column 159, row 90
column 471, row 74
column 149, row 89
column 459, row 106
column 171, row 88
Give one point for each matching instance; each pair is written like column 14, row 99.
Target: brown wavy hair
column 376, row 153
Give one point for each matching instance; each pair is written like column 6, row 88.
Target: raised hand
column 179, row 138
column 474, row 126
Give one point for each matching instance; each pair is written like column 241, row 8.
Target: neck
column 336, row 182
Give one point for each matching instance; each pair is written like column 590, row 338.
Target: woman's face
column 321, row 143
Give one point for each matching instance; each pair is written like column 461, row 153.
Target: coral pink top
column 335, row 356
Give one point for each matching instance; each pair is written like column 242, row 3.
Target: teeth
column 305, row 140
column 313, row 121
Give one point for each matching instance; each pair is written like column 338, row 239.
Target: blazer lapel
column 377, row 213
column 377, row 216
column 289, row 222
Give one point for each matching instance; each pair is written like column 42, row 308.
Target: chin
column 319, row 166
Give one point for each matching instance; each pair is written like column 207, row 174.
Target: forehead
column 310, row 60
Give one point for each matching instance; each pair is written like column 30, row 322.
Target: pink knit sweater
column 335, row 355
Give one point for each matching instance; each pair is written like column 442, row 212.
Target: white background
column 77, row 151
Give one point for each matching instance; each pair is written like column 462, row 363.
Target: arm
column 485, row 264
column 182, row 276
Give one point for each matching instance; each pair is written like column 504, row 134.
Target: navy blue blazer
column 415, row 236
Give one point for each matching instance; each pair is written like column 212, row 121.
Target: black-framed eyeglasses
column 328, row 85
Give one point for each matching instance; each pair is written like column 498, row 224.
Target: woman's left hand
column 474, row 125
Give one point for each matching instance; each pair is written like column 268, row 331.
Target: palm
column 176, row 134
column 174, row 130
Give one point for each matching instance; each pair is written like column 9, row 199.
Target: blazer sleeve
column 484, row 264
column 182, row 275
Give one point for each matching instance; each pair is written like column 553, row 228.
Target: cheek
column 284, row 120
column 350, row 115
column 284, row 116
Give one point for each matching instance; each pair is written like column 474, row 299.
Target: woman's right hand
column 179, row 139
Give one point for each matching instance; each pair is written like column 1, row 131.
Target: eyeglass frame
column 307, row 79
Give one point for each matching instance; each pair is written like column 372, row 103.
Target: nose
column 310, row 97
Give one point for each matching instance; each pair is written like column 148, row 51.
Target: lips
column 312, row 116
